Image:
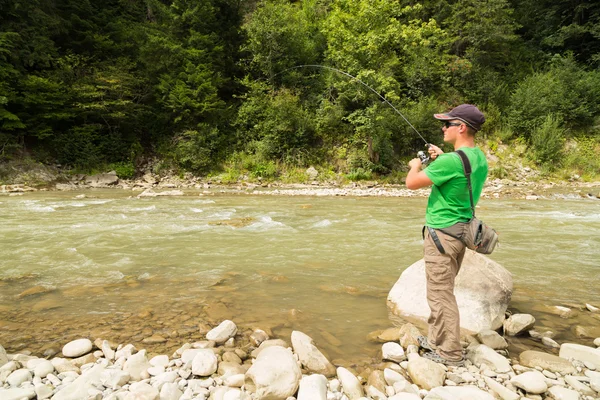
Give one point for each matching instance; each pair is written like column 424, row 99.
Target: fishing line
column 364, row 84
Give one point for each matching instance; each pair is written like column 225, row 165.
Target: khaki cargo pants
column 441, row 270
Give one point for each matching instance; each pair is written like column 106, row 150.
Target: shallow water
column 124, row 268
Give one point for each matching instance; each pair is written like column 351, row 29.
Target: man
column 448, row 207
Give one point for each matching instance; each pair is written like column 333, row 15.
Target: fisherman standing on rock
column 448, row 206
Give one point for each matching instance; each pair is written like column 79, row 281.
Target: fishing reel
column 423, row 156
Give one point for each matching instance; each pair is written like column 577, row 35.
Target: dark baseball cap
column 467, row 113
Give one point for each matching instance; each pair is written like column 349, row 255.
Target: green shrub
column 582, row 157
column 265, row 170
column 194, row 149
column 124, row 170
column 548, row 140
column 360, row 174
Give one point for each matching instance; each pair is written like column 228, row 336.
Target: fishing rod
column 421, row 154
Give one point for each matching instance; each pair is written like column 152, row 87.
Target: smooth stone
column 579, row 386
column 550, row 362
column 596, row 343
column 86, row 359
column 492, row 339
column 389, row 335
column 595, row 384
column 562, row 393
column 17, row 394
column 159, row 361
column 375, row 393
column 170, row 391
column 63, row 365
column 77, row 348
column 405, row 396
column 267, row 344
column 591, row 308
column 137, row 366
column 78, row 389
column 230, row 356
column 3, row 356
column 154, row 371
column 19, row 376
column 458, row 393
column 393, row 351
column 142, row 391
column 546, row 341
column 408, row 335
column 9, row 366
column 377, row 380
column 43, row 368
column 518, row 323
column 351, row 387
column 426, row 373
column 310, row 356
column 228, row 368
column 532, row 382
column 109, row 353
column 43, row 391
column 114, row 378
column 223, row 332
column 313, row 387
column 236, row 380
column 580, row 352
column 189, row 354
column 275, row 374
column 483, row 355
column 391, row 376
column 502, row 391
column 258, row 336
column 483, row 289
column 205, row 363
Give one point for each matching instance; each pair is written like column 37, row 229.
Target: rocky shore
column 151, row 185
column 231, row 364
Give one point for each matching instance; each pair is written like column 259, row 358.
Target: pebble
column 77, row 348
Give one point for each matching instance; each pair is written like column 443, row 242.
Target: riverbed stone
column 532, row 382
column 409, row 335
column 426, row 373
column 502, row 391
column 77, row 348
column 114, row 378
column 17, row 394
column 137, row 366
column 405, row 396
column 313, row 387
column 492, row 339
column 518, row 323
column 310, row 356
column 275, row 375
column 550, row 362
column 393, row 351
column 391, row 376
column 483, row 289
column 351, row 387
column 266, row 344
column 484, row 355
column 101, row 180
column 458, row 393
column 220, row 334
column 205, row 363
column 19, row 376
column 43, row 368
column 562, row 393
column 3, row 356
column 580, row 352
column 43, row 391
column 597, row 342
column 170, row 391
column 142, row 391
column 78, row 389
column 579, row 386
column 63, row 365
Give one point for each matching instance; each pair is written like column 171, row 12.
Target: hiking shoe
column 424, row 343
column 433, row 356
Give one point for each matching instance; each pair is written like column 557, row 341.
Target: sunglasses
column 448, row 124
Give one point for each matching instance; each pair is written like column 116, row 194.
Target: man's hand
column 434, row 151
column 415, row 163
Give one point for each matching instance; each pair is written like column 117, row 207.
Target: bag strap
column 467, row 168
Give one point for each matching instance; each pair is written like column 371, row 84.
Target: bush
column 194, row 149
column 548, row 140
column 582, row 156
column 124, row 170
column 360, row 174
column 265, row 170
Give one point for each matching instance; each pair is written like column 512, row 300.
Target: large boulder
column 580, row 352
column 101, row 180
column 483, row 289
column 550, row 362
column 275, row 375
column 310, row 356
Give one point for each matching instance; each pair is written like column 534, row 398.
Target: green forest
column 209, row 86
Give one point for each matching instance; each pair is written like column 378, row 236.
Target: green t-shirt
column 449, row 199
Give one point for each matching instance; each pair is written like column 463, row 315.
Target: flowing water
column 113, row 266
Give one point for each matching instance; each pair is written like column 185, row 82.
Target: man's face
column 451, row 130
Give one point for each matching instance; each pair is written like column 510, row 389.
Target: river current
column 113, row 266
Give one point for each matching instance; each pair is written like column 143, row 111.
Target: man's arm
column 417, row 179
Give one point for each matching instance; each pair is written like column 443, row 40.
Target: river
column 114, row 266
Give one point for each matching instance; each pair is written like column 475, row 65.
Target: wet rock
column 154, row 339
column 223, row 332
column 313, row 387
column 562, row 393
column 532, row 382
column 152, row 193
column 483, row 290
column 580, row 352
column 550, row 343
column 393, row 351
column 537, row 359
column 458, row 393
column 426, row 373
column 591, row 308
column 35, row 290
column 377, row 380
column 310, row 357
column 77, row 348
column 137, row 366
column 274, row 374
column 492, row 339
column 258, row 336
column 351, row 387
column 518, row 323
column 587, row 331
column 205, row 362
column 483, row 355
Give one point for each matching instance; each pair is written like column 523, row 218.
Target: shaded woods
column 204, row 85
